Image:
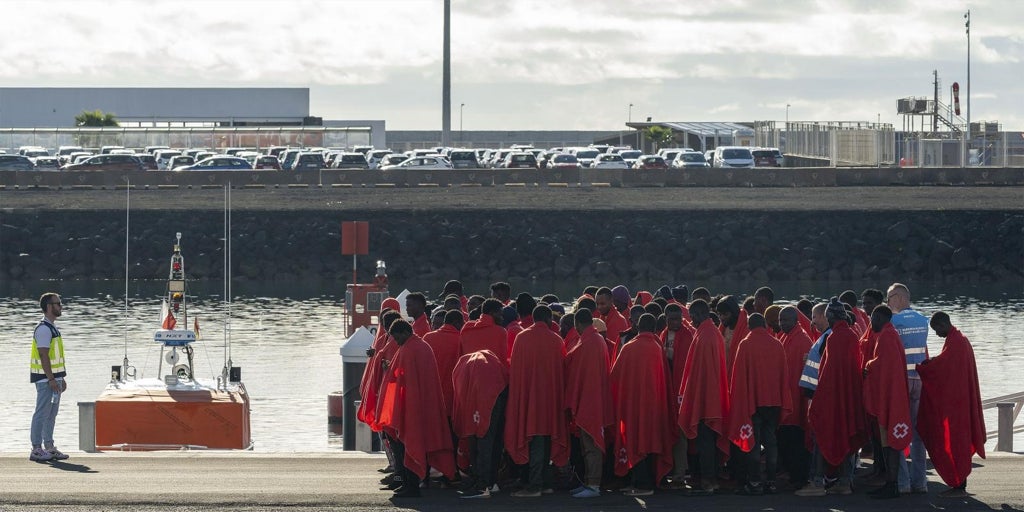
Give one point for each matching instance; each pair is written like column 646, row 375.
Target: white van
column 733, row 156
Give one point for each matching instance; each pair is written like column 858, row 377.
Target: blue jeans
column 915, row 478
column 45, row 417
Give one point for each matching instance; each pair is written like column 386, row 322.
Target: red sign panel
column 355, row 238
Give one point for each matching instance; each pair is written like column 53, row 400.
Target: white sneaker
column 40, row 455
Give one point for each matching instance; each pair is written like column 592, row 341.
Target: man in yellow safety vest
column 47, row 374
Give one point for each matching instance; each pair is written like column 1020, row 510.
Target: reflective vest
column 56, row 355
column 809, row 377
column 913, row 330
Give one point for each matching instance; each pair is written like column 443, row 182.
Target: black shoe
column 393, row 485
column 408, row 492
column 389, row 469
column 887, row 491
column 390, row 478
column 770, row 488
column 750, row 490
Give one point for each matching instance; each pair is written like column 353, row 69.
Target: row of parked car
column 367, row 157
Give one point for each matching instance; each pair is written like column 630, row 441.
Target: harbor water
column 286, row 341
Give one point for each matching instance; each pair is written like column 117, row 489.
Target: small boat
column 176, row 410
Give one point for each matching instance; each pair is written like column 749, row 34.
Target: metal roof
column 703, row 129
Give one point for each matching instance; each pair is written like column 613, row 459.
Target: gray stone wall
column 520, row 246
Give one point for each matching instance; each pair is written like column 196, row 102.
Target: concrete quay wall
column 523, row 245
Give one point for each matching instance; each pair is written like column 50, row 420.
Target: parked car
column 148, row 160
column 669, row 154
column 780, row 159
column 218, row 163
column 709, row 156
column 163, row 156
column 420, row 163
column 64, row 152
column 689, row 159
column 586, row 156
column 392, row 160
column 308, row 161
column 153, row 149
column 609, row 161
column 374, row 157
column 287, row 158
column 764, row 158
column 629, row 155
column 498, row 157
column 268, row 162
column 463, row 159
column 519, row 160
column 35, row 152
column 47, row 163
column 107, row 162
column 179, row 161
column 15, row 163
column 562, row 161
column 105, row 150
column 650, row 162
column 733, row 156
column 351, row 160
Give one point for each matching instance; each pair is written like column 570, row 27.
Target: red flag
column 169, row 321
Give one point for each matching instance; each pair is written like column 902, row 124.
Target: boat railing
column 1009, row 410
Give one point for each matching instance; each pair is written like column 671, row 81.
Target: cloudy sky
column 539, row 64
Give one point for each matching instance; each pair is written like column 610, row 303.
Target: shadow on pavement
column 68, row 466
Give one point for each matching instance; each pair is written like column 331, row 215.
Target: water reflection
column 286, row 339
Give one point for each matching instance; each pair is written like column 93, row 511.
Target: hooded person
column 759, row 396
column 411, row 412
column 643, row 431
column 373, row 374
column 837, row 410
column 665, row 292
column 487, row 332
column 704, row 399
column 643, row 297
column 588, row 399
column 793, row 427
column 886, row 397
column 620, row 297
column 444, row 342
column 733, row 328
column 535, row 429
column 861, row 318
column 681, row 295
column 950, row 420
column 480, row 381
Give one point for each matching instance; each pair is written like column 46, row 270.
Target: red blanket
column 615, row 322
column 950, row 420
column 837, row 410
column 478, row 377
column 797, row 344
column 421, row 325
column 535, row 395
column 705, row 390
column 369, row 387
column 484, row 334
column 759, row 379
column 639, row 381
column 587, row 395
column 680, row 349
column 885, row 388
column 411, row 409
column 445, row 344
column 739, row 332
column 809, row 328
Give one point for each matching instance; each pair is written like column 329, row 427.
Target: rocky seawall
column 516, row 245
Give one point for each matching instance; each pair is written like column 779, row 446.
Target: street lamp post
column 967, row 25
column 629, row 117
column 461, row 106
column 786, row 145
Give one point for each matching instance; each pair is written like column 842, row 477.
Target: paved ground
column 317, row 482
column 928, row 198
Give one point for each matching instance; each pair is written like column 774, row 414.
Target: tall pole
column 786, row 145
column 461, row 106
column 967, row 25
column 446, row 79
column 629, row 117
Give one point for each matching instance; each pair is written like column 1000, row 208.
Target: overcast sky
column 539, row 64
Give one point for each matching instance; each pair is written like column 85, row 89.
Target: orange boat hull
column 156, row 418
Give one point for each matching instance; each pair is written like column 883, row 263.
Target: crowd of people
column 670, row 390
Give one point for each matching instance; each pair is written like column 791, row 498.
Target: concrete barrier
column 698, row 177
column 87, row 426
column 1004, row 441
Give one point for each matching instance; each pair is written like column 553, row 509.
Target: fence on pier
column 1009, row 410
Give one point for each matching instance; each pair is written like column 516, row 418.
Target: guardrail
column 707, row 177
column 1009, row 410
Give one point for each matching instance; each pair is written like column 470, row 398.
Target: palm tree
column 658, row 135
column 95, row 118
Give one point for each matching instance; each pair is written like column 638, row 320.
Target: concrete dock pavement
column 309, row 482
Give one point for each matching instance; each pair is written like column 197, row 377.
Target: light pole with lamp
column 967, row 25
column 786, row 145
column 461, row 106
column 629, row 117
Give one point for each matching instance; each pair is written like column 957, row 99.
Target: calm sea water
column 286, row 339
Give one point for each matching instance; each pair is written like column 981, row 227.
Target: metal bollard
column 1004, row 441
column 364, row 436
column 87, row 426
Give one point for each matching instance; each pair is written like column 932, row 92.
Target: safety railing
column 1009, row 410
